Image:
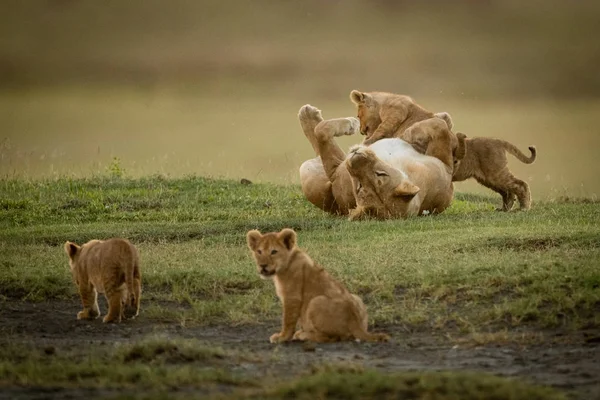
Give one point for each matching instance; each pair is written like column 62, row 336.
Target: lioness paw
column 348, row 127
column 309, row 113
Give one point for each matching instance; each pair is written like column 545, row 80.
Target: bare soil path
column 572, row 365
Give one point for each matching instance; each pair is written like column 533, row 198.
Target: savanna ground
column 96, row 97
column 472, row 293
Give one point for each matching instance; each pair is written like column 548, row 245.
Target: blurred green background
column 213, row 87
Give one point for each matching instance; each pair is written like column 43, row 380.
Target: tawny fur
column 322, row 308
column 486, row 161
column 386, row 115
column 388, row 179
column 111, row 267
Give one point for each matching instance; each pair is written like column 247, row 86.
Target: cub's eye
column 259, row 251
column 273, row 252
column 381, row 173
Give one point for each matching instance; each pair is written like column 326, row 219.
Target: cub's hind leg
column 131, row 301
column 521, row 189
column 137, row 284
column 89, row 300
column 508, row 200
column 507, row 195
column 114, row 297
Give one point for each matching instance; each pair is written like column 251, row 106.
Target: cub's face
column 271, row 251
column 368, row 112
column 369, row 119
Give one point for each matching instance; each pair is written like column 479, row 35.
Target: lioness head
column 271, row 251
column 381, row 190
column 368, row 111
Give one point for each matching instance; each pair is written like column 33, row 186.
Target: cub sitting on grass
column 111, row 267
column 327, row 312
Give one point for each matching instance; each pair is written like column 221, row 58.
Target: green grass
column 157, row 367
column 469, row 269
column 153, row 363
column 431, row 386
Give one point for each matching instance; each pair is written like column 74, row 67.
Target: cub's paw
column 87, row 314
column 129, row 312
column 110, row 319
column 309, row 113
column 277, row 338
column 299, row 335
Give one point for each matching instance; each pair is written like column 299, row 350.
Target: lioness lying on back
column 327, row 312
column 111, row 267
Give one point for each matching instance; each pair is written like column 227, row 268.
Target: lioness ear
column 252, row 238
column 288, row 237
column 406, row 188
column 358, row 97
column 446, row 117
column 71, row 249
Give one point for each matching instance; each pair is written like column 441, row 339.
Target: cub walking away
column 485, row 160
column 326, row 310
column 111, row 267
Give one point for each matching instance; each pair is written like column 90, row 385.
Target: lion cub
column 485, row 160
column 327, row 312
column 111, row 267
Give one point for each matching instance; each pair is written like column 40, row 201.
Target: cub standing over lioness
column 387, row 115
column 327, row 312
column 111, row 267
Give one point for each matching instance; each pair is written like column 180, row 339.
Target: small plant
column 114, row 169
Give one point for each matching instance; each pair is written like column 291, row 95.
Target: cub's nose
column 263, row 266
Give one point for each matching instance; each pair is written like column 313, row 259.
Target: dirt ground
column 572, row 365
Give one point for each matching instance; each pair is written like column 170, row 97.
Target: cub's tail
column 512, row 149
column 365, row 336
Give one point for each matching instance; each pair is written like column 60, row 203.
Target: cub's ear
column 358, row 97
column 406, row 188
column 71, row 249
column 446, row 117
column 252, row 238
column 288, row 237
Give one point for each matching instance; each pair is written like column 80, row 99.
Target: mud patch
column 581, row 241
column 52, row 327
